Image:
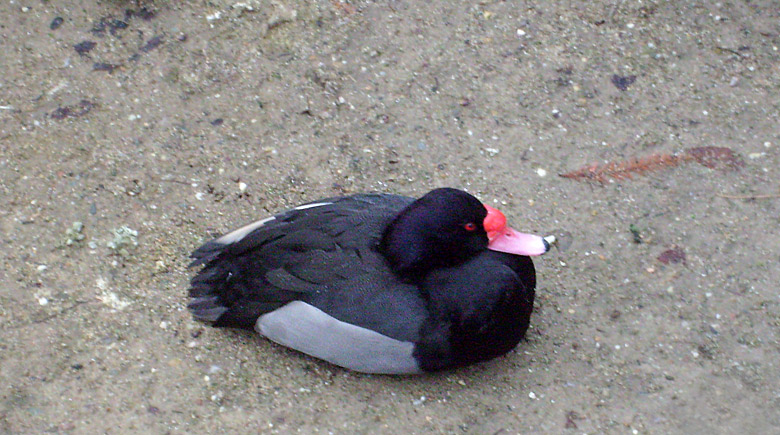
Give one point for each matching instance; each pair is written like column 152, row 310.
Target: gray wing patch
column 308, row 329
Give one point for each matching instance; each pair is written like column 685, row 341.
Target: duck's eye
column 471, row 226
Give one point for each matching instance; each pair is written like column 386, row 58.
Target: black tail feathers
column 225, row 293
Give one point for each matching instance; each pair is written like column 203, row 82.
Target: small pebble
column 124, row 238
column 541, row 172
column 242, row 187
column 56, row 23
column 74, row 234
column 532, row 395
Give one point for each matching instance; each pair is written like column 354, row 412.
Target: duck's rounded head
column 447, row 227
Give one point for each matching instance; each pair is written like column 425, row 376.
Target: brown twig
column 625, row 169
column 765, row 196
column 711, row 157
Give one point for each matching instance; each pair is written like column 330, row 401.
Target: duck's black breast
column 478, row 310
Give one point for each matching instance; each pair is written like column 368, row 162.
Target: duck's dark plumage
column 401, row 268
column 480, row 310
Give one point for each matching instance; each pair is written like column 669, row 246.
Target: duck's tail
column 221, row 294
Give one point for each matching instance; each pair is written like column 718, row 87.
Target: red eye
column 471, row 226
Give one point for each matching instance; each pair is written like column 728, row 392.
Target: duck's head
column 448, row 226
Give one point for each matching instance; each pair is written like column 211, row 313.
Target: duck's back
column 322, row 253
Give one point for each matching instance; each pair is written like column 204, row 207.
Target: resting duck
column 376, row 283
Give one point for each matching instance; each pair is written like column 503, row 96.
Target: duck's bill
column 512, row 241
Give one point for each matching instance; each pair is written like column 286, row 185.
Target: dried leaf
column 151, row 44
column 674, row 256
column 571, row 419
column 84, row 47
column 623, row 82
column 74, row 111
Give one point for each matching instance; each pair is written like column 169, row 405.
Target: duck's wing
column 312, row 250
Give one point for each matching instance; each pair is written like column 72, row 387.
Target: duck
column 375, row 283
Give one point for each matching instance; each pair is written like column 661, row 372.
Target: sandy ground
column 187, row 119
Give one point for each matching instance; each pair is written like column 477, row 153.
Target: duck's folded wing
column 291, row 256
